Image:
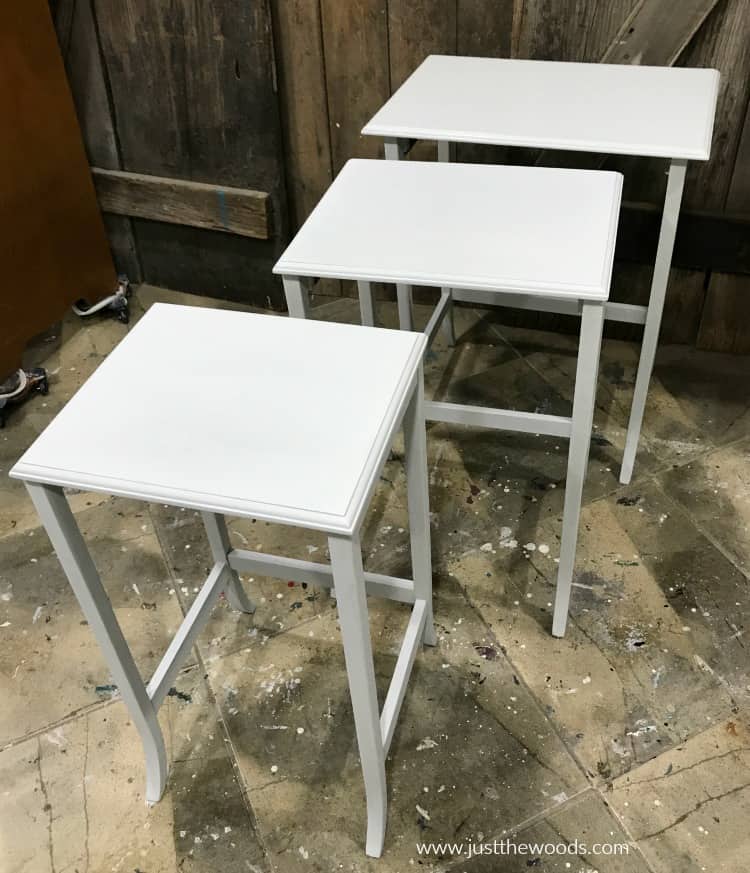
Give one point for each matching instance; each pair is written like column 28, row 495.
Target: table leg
column 589, row 344
column 366, row 303
column 403, row 296
column 351, row 601
column 218, row 540
column 76, row 561
column 659, row 281
column 415, row 442
column 297, row 298
column 447, row 154
column 394, row 151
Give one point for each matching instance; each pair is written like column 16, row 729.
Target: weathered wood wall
column 182, row 89
column 271, row 96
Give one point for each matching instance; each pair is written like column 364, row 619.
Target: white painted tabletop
column 534, row 230
column 255, row 415
column 663, row 112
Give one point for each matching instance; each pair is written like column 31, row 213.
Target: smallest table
column 300, row 439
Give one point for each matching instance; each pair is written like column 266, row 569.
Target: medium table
column 662, row 112
column 489, row 233
column 259, row 418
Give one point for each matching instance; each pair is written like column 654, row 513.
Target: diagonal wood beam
column 657, row 32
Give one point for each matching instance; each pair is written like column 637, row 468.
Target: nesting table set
column 302, row 437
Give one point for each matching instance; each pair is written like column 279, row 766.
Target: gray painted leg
column 297, row 299
column 446, row 151
column 592, row 320
column 394, row 151
column 351, row 601
column 448, row 326
column 415, row 441
column 366, row 303
column 218, row 540
column 446, row 154
column 76, row 561
column 403, row 295
column 659, row 283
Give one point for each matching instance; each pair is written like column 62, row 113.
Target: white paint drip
column 506, row 539
column 643, row 728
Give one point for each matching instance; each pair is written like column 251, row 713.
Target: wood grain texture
column 738, row 199
column 197, row 77
column 355, row 41
column 724, row 325
column 176, row 201
column 724, row 43
column 570, row 30
column 302, row 95
column 485, row 27
column 192, row 87
column 416, row 29
column 656, row 32
column 79, row 43
column 213, row 264
column 686, row 292
column 303, row 104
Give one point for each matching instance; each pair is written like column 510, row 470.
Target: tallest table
column 660, row 112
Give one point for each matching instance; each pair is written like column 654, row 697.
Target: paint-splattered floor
column 634, row 730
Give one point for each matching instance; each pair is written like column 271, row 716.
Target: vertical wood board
column 79, row 43
column 724, row 325
column 355, row 42
column 302, row 97
column 193, row 92
column 723, row 43
column 738, row 199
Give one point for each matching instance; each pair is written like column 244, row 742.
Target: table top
column 663, row 112
column 533, row 230
column 280, row 419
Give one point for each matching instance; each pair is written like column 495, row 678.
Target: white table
column 297, row 440
column 663, row 112
column 490, row 234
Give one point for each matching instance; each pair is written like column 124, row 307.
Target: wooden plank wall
column 338, row 62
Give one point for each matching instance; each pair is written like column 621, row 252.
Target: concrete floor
column 633, row 729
